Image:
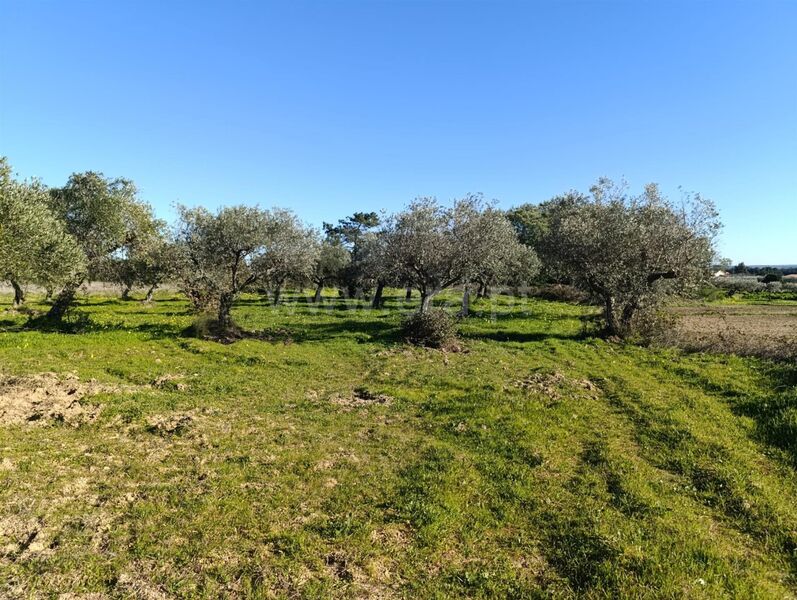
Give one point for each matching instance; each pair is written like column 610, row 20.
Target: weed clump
column 434, row 329
column 208, row 327
column 559, row 292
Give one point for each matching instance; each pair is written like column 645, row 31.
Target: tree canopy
column 434, row 247
column 35, row 246
column 630, row 251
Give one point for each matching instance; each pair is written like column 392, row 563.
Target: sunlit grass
column 538, row 462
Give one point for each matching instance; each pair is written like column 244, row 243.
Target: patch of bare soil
column 391, row 537
column 18, row 536
column 371, row 583
column 170, row 381
column 360, row 397
column 552, row 384
column 135, row 583
column 48, row 398
column 764, row 330
column 170, row 424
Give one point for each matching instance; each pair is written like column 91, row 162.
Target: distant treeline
column 762, row 270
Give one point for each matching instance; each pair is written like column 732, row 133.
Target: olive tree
column 504, row 260
column 329, row 265
column 215, row 255
column 630, row 252
column 434, row 247
column 34, row 245
column 144, row 261
column 495, row 253
column 351, row 232
column 376, row 270
column 147, row 266
column 105, row 216
column 289, row 252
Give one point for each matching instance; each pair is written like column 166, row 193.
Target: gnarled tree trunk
column 63, row 301
column 426, row 302
column 19, row 294
column 377, row 299
column 225, row 310
column 318, row 289
column 150, row 292
column 612, row 324
column 465, row 301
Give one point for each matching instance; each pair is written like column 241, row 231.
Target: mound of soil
column 47, row 398
column 171, row 424
column 551, row 384
column 360, row 397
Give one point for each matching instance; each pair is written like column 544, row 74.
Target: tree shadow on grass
column 327, row 305
column 773, row 410
column 590, row 327
column 361, row 331
column 521, row 337
column 330, row 303
column 154, row 312
column 100, row 301
column 11, row 325
column 775, row 414
column 525, row 315
column 81, row 323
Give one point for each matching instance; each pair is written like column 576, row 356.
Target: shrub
column 206, row 326
column 711, row 293
column 434, row 328
column 770, row 278
column 739, row 285
column 560, row 292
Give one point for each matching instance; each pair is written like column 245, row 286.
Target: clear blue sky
column 331, row 107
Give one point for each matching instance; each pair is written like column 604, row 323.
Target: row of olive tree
column 428, row 246
column 629, row 252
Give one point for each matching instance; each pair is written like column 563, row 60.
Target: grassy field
column 328, row 459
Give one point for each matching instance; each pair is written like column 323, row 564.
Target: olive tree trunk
column 150, row 292
column 19, row 294
column 377, row 299
column 225, row 311
column 63, row 301
column 465, row 301
column 426, row 302
column 612, row 323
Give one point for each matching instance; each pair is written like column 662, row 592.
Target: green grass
column 783, row 297
column 540, row 462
